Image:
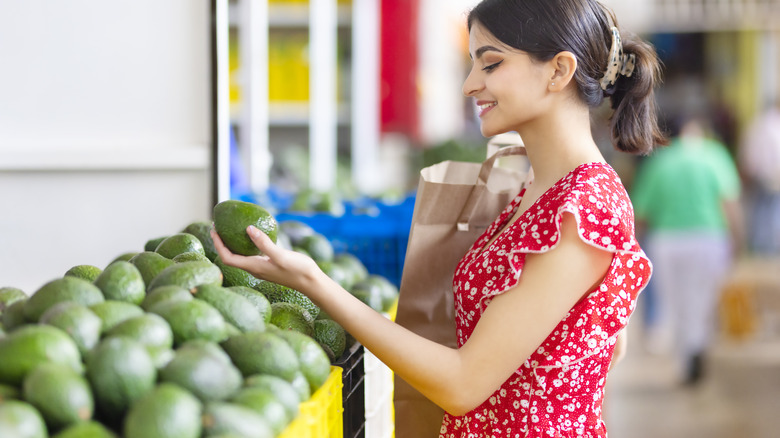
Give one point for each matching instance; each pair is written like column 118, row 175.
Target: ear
column 563, row 66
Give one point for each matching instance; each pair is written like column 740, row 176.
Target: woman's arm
column 513, row 326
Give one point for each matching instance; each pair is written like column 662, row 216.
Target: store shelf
column 71, row 157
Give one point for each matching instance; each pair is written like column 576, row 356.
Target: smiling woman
column 533, row 346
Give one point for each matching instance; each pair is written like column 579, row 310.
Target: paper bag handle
column 481, row 184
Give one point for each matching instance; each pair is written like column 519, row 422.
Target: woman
column 542, row 295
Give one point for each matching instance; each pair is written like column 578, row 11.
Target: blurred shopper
column 759, row 159
column 687, row 199
column 543, row 295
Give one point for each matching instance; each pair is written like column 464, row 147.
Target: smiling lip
column 484, row 106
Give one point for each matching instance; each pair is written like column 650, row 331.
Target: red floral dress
column 558, row 390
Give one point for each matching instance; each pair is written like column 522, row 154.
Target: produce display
column 168, row 341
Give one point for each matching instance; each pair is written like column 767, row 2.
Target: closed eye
column 492, row 67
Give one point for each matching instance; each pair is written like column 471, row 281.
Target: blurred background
column 122, row 121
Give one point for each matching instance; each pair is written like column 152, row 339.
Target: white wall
column 105, row 131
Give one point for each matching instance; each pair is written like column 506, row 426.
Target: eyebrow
column 484, row 49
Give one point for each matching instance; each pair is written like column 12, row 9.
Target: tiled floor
column 739, row 397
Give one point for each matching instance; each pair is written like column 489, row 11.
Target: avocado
column 124, row 257
column 370, row 293
column 206, row 375
column 167, row 411
column 202, row 344
column 233, row 276
column 61, row 395
column 31, row 345
column 85, row 272
column 282, row 389
column 276, row 293
column 86, row 429
column 149, row 329
column 179, row 243
column 330, row 333
column 289, row 316
column 153, row 243
column 264, row 402
column 58, row 290
column 21, row 419
column 236, row 309
column 150, row 264
column 78, row 321
column 353, row 264
column 120, row 372
column 194, row 319
column 231, row 419
column 10, row 295
column 257, row 299
column 231, row 219
column 314, row 362
column 13, row 316
column 338, row 273
column 202, row 230
column 113, row 312
column 301, row 385
column 262, row 352
column 318, row 246
column 295, row 230
column 165, row 293
column 190, row 256
column 388, row 292
column 187, row 275
column 122, row 281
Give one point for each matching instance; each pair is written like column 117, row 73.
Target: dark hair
column 544, row 28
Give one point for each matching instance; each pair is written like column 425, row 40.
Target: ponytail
column 634, row 122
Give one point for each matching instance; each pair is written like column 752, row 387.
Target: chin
column 488, row 131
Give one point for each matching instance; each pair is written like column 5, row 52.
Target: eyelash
column 491, row 67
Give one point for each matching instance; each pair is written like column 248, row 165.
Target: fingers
column 223, row 251
column 261, row 240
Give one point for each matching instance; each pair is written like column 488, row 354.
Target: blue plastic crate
column 374, row 232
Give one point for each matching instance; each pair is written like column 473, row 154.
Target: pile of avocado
column 169, row 341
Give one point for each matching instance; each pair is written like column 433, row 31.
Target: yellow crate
column 321, row 415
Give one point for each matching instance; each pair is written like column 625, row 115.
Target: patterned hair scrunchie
column 620, row 64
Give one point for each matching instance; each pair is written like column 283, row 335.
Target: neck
column 559, row 142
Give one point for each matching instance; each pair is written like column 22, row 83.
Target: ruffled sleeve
column 595, row 195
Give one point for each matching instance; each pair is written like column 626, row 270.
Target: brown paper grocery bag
column 455, row 203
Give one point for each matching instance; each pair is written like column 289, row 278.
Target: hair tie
column 620, row 64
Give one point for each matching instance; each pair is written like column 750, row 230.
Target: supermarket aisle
column 737, row 398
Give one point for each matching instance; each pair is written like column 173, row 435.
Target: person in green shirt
column 686, row 202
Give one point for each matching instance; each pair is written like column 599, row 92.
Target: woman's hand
column 278, row 265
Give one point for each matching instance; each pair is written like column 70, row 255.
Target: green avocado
column 122, row 281
column 236, row 309
column 231, row 219
column 58, row 290
column 179, row 243
column 187, row 275
column 149, row 264
column 202, row 230
column 120, row 371
column 207, row 375
column 31, row 345
column 61, row 395
column 21, row 419
column 167, row 411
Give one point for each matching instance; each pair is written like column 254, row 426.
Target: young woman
column 542, row 296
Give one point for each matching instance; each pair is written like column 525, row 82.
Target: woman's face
column 507, row 86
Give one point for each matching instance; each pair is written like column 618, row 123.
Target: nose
column 472, row 84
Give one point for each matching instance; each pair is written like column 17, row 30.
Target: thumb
column 261, row 240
